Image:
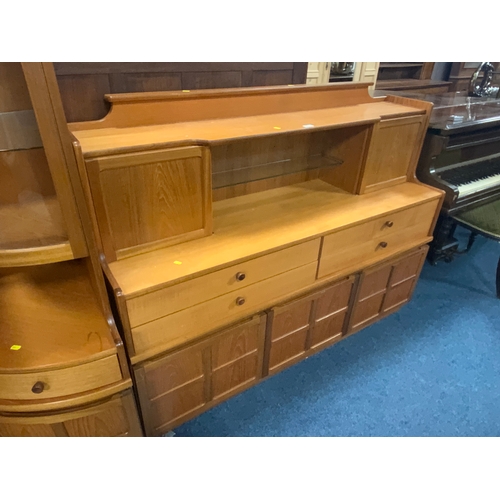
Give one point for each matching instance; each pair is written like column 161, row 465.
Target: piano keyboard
column 473, row 177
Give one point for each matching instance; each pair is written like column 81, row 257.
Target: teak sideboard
column 228, row 233
column 241, row 230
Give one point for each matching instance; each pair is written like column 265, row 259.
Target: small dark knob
column 240, row 276
column 240, row 301
column 383, row 244
column 38, row 388
column 389, row 223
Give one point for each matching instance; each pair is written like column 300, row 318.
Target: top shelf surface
column 154, row 120
column 104, row 141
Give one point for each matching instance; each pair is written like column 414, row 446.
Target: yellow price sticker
column 178, row 262
column 15, row 347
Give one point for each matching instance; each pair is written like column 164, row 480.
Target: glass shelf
column 273, row 169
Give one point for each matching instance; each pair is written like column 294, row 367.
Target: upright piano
column 461, row 156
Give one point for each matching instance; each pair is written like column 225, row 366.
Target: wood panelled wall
column 83, row 85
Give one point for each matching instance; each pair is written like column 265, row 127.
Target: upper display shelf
column 157, row 119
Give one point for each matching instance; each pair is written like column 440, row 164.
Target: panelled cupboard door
column 304, row 326
column 178, row 386
column 117, row 417
column 385, row 288
column 151, row 199
column 393, row 152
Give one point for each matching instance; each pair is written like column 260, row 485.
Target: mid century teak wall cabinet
column 241, row 230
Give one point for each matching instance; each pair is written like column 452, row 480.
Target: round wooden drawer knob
column 240, row 301
column 240, row 276
column 383, row 244
column 38, row 388
column 389, row 223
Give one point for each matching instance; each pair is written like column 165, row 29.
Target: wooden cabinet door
column 117, row 417
column 302, row 327
column 385, row 288
column 151, row 199
column 393, row 152
column 331, row 309
column 179, row 386
column 287, row 333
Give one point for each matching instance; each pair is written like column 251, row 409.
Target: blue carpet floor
column 431, row 369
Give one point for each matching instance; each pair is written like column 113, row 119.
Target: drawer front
column 114, row 417
column 178, row 328
column 60, row 383
column 375, row 240
column 174, row 298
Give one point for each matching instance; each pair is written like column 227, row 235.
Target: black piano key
column 466, row 174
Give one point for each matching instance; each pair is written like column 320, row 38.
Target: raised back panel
column 151, row 199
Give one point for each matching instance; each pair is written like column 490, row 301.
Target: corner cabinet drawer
column 174, row 298
column 367, row 243
column 175, row 329
column 59, row 383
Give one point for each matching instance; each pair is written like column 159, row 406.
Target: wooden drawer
column 115, row 417
column 165, row 301
column 352, row 248
column 62, row 382
column 188, row 324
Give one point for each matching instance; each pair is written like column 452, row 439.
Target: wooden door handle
column 240, row 276
column 383, row 244
column 240, row 301
column 389, row 223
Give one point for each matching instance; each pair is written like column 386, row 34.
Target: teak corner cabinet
column 239, row 231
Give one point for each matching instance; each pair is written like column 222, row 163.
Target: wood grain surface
column 51, row 312
column 306, row 210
